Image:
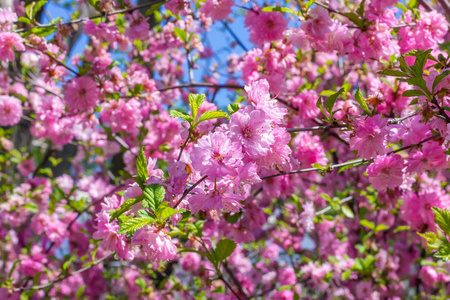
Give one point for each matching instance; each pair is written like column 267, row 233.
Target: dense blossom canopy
column 220, row 149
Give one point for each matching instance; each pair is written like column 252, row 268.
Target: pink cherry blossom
column 10, row 110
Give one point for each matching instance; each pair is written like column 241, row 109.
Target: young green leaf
column 131, row 225
column 442, row 219
column 141, row 165
column 439, row 78
column 181, row 34
column 355, row 19
column 224, row 249
column 419, row 64
column 153, row 196
column 329, row 103
column 165, row 212
column 178, row 114
column 418, row 82
column 360, row 99
column 195, row 101
column 232, row 108
column 125, row 207
column 395, row 73
column 413, row 93
column 280, row 9
column 348, row 212
column 367, row 224
column 212, row 114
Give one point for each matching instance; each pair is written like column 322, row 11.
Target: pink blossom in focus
column 157, row 245
column 370, row 137
column 81, row 93
column 386, row 172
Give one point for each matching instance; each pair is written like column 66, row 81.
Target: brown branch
column 186, row 192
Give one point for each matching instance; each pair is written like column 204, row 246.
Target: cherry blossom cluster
column 307, row 161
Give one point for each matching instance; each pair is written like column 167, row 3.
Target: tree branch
column 43, row 286
column 121, row 11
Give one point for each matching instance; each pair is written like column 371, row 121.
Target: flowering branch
column 121, row 11
column 352, row 162
column 43, row 286
column 186, row 192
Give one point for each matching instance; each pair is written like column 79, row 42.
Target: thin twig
column 352, row 162
column 238, row 41
column 186, row 192
column 43, row 286
column 183, row 146
column 121, row 11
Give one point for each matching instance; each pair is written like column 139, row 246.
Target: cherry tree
column 307, row 158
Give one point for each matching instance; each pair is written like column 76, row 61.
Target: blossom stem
column 184, row 146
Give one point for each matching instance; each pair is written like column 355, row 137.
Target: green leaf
column 178, row 114
column 164, row 211
column 153, row 8
column 412, row 4
column 417, row 82
column 395, row 73
column 360, row 99
column 195, row 101
column 320, row 106
column 80, row 292
column 381, row 227
column 153, row 196
column 308, row 4
column 439, row 78
column 355, row 19
column 141, row 165
column 125, row 207
column 13, row 268
column 360, row 9
column 413, row 93
column 224, row 249
column 121, row 193
column 419, row 64
column 402, row 228
column 367, row 224
column 181, row 34
column 31, row 206
column 196, row 228
column 212, row 114
column 280, row 9
column 24, row 20
column 141, row 283
column 329, row 103
column 442, row 219
column 348, row 212
column 232, row 108
column 432, row 240
column 39, row 31
column 131, row 225
column 404, row 66
column 443, row 252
